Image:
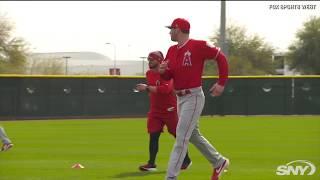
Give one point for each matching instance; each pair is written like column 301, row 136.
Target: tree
column 13, row 51
column 47, row 66
column 248, row 55
column 304, row 53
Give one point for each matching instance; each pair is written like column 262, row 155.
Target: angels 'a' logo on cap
column 180, row 23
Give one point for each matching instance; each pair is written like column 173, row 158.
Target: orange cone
column 77, row 166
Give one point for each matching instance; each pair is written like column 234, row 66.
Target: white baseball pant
column 3, row 136
column 190, row 107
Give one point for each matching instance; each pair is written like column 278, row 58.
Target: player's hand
column 163, row 67
column 141, row 87
column 216, row 90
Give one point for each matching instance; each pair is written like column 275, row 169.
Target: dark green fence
column 28, row 97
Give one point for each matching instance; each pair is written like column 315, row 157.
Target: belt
column 183, row 92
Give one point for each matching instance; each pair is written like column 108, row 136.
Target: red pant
column 156, row 122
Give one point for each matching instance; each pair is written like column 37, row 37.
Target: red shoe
column 6, row 147
column 217, row 172
column 148, row 167
column 186, row 166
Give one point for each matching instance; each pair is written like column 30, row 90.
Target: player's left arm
column 144, row 87
column 211, row 52
column 165, row 87
column 147, row 87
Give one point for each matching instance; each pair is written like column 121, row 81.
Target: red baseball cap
column 180, row 23
column 156, row 55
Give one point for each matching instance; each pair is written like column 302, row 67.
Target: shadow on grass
column 137, row 174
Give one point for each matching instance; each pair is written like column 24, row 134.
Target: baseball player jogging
column 184, row 64
column 163, row 110
column 7, row 144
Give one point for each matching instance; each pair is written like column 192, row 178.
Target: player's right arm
column 164, row 70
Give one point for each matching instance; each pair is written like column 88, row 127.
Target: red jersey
column 186, row 63
column 164, row 100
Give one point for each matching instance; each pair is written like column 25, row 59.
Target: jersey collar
column 179, row 47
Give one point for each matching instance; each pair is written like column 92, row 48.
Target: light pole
column 143, row 58
column 66, row 59
column 33, row 62
column 223, row 41
column 114, row 55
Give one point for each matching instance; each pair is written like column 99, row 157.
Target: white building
column 282, row 66
column 89, row 63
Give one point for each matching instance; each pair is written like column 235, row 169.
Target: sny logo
column 297, row 167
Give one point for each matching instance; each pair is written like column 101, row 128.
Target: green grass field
column 113, row 149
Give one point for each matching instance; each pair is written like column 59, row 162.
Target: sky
column 134, row 28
